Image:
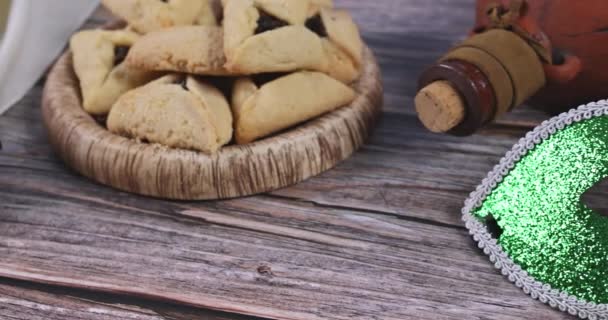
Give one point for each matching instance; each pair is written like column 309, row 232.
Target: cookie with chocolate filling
column 188, row 49
column 266, row 104
column 270, row 36
column 98, row 57
column 151, row 15
column 175, row 111
column 287, row 35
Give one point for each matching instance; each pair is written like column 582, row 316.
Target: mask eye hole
column 595, row 198
column 493, row 228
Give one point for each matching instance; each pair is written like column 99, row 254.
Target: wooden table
column 379, row 237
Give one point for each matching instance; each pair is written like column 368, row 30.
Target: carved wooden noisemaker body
column 550, row 53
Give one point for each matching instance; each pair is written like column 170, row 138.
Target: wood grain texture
column 261, row 256
column 377, row 237
column 21, row 300
column 235, row 171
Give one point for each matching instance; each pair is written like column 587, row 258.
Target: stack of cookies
column 201, row 74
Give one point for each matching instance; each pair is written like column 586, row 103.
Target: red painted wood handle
column 566, row 72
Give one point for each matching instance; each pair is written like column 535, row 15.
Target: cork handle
column 440, row 107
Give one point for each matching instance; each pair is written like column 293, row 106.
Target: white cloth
column 36, row 33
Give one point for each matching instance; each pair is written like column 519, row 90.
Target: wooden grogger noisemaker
column 548, row 52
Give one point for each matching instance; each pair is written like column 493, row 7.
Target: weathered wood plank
column 21, row 300
column 379, row 237
column 259, row 256
column 409, row 172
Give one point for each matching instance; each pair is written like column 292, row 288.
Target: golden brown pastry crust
column 288, row 48
column 288, row 35
column 101, row 81
column 152, row 15
column 343, row 45
column 188, row 49
column 174, row 112
column 284, row 102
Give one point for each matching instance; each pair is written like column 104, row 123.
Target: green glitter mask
column 529, row 218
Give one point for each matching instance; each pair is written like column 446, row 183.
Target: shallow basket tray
column 235, row 171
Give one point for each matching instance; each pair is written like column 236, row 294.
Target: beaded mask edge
column 535, row 289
